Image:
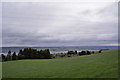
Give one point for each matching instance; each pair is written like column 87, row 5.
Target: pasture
column 102, row 65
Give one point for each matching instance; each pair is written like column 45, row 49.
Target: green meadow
column 101, row 65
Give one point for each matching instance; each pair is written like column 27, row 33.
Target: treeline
column 83, row 52
column 27, row 53
column 75, row 53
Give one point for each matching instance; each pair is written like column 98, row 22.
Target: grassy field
column 103, row 65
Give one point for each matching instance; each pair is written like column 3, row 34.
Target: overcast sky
column 59, row 24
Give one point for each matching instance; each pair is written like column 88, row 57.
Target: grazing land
column 101, row 65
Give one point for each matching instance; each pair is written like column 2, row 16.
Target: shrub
column 99, row 51
column 71, row 52
column 20, row 56
column 93, row 52
column 82, row 53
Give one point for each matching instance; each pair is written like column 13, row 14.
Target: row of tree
column 75, row 53
column 83, row 52
column 27, row 53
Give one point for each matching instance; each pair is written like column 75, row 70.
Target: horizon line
column 58, row 46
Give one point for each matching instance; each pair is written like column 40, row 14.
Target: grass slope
column 103, row 65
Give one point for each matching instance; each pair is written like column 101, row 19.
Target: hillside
column 102, row 65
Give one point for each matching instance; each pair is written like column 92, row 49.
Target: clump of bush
column 84, row 53
column 89, row 52
column 71, row 52
column 60, row 55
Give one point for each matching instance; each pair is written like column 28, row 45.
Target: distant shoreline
column 59, row 49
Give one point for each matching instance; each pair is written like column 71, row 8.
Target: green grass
column 103, row 65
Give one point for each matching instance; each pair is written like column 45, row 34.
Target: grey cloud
column 54, row 24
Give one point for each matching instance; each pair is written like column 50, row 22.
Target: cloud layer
column 59, row 24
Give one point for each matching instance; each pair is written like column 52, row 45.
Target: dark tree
column 3, row 57
column 14, row 56
column 93, row 52
column 70, row 52
column 9, row 58
column 20, row 52
column 82, row 53
column 75, row 52
column 47, row 54
column 6, row 58
column 26, row 53
column 99, row 51
column 9, row 53
column 88, row 52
